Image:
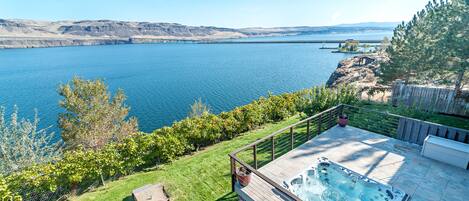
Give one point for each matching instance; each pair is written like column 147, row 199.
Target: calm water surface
column 162, row 80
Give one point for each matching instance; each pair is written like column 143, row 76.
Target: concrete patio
column 381, row 158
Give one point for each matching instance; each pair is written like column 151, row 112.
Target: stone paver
column 384, row 159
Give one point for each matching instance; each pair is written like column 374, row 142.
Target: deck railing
column 400, row 127
column 268, row 148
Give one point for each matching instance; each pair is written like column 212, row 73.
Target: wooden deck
column 381, row 158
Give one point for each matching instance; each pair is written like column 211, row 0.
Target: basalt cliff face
column 361, row 71
column 32, row 33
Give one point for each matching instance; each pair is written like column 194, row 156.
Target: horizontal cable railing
column 371, row 120
column 261, row 152
column 400, row 127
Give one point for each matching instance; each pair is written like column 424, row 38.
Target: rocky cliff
column 362, row 72
column 32, row 33
column 358, row 70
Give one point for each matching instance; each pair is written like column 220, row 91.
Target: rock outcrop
column 362, row 72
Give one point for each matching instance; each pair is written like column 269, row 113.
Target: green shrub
column 168, row 147
column 230, row 125
column 199, row 131
column 36, row 182
column 321, row 98
column 251, row 115
column 279, row 107
column 5, row 191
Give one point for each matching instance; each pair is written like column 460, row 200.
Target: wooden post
column 254, row 155
column 307, row 130
column 273, row 147
column 396, row 92
column 319, row 123
column 233, row 174
column 292, row 138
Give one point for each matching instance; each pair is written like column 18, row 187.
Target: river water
column 162, row 80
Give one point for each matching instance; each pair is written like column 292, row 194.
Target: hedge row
column 79, row 169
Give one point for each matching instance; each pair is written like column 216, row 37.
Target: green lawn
column 204, row 175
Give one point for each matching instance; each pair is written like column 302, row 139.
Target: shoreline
column 51, row 43
column 15, row 43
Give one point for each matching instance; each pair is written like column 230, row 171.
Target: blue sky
column 224, row 13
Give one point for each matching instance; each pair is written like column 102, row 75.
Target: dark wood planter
column 343, row 120
column 243, row 176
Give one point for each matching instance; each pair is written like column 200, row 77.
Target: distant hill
column 19, row 33
column 371, row 24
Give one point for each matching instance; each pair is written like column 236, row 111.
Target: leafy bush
column 22, row 144
column 199, row 131
column 230, row 125
column 320, row 98
column 5, row 191
column 81, row 168
column 169, row 147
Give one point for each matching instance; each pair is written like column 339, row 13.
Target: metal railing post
column 233, row 173
column 273, row 148
column 292, row 138
column 254, row 155
column 319, row 123
column 341, row 109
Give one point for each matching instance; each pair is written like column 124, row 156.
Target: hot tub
column 329, row 181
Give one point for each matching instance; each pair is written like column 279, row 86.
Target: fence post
column 307, row 129
column 273, row 148
column 233, row 176
column 331, row 121
column 396, row 93
column 292, row 138
column 254, row 155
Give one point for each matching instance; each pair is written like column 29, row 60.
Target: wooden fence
column 415, row 131
column 434, row 99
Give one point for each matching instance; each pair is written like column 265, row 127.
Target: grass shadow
column 231, row 196
column 128, row 198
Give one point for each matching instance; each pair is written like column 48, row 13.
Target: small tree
column 92, row 117
column 198, row 108
column 23, row 145
column 384, row 44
